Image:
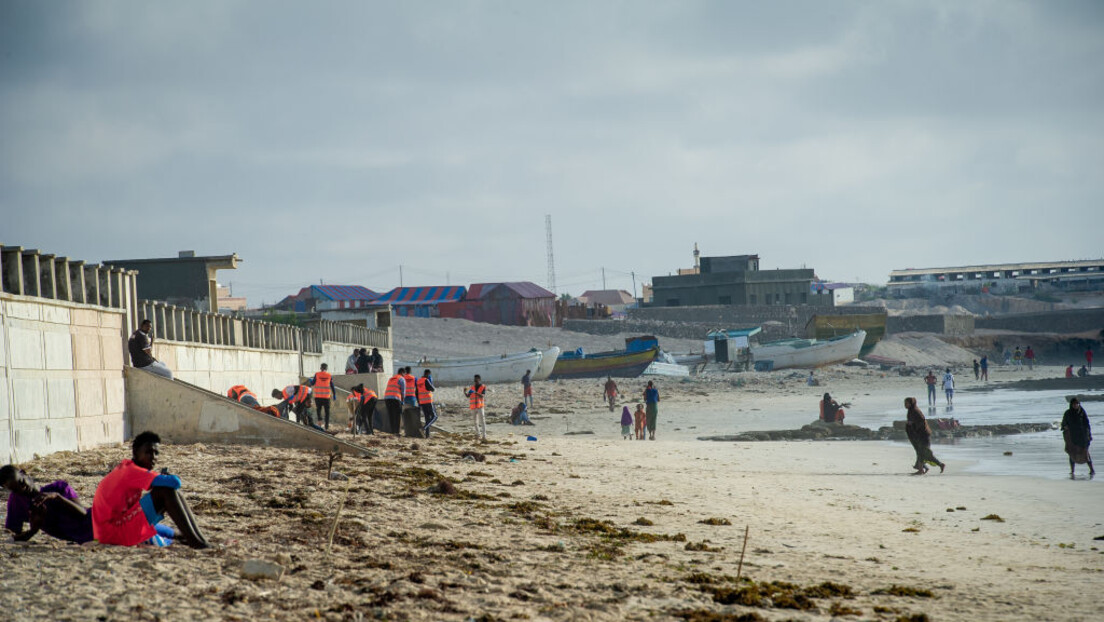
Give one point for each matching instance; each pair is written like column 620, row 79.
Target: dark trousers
column 430, row 414
column 363, row 419
column 303, row 413
column 320, row 404
column 394, row 415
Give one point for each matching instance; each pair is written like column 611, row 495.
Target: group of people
column 948, row 383
column 405, row 393
column 634, row 424
column 128, row 506
column 363, row 362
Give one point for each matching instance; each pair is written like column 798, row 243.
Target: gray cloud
column 339, row 141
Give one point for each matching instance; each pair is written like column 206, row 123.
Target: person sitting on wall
column 54, row 508
column 830, row 410
column 140, row 345
column 123, row 515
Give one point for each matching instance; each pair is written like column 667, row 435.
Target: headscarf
column 626, row 416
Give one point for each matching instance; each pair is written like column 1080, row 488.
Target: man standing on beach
column 393, row 400
column 1088, row 357
column 985, row 368
column 1017, row 358
column 322, row 389
column 977, row 370
column 930, row 379
column 651, row 408
column 476, row 394
column 527, row 388
column 425, row 389
column 141, row 351
column 1029, row 356
column 948, row 386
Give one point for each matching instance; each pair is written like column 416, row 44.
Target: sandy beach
column 581, row 525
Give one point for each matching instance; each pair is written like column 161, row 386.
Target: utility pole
column 634, row 284
column 603, row 277
column 551, row 261
column 400, row 275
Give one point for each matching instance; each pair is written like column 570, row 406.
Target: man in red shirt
column 122, row 514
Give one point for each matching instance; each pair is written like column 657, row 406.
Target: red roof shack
column 512, row 304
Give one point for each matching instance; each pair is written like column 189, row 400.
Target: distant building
column 1007, row 277
column 615, row 299
column 838, row 293
column 228, row 303
column 318, row 298
column 512, row 304
column 735, row 280
column 186, row 280
column 421, row 301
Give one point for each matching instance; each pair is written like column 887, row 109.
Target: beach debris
column 443, row 487
column 338, row 476
column 905, row 591
column 993, row 517
column 910, row 530
column 705, row 615
column 261, row 569
column 1008, row 453
column 703, row 547
column 960, row 507
column 334, row 456
column 643, row 522
column 715, row 521
column 530, row 438
column 1099, row 538
column 473, row 456
column 743, row 549
column 578, row 433
column 839, row 609
column 337, row 515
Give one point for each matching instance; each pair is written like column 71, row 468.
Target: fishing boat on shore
column 631, row 362
column 666, row 365
column 491, row 369
column 807, row 353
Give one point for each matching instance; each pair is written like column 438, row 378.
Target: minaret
column 697, row 259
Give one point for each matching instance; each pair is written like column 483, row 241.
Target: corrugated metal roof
column 524, row 289
column 343, row 292
column 429, row 295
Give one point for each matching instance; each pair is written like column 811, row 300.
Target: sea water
column 1040, row 454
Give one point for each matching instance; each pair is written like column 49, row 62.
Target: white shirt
column 948, row 381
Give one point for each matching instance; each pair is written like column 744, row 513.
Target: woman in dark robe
column 830, row 410
column 919, row 434
column 1078, row 435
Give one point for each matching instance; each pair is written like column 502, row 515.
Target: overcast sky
column 336, row 141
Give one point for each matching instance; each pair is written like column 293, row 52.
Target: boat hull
column 808, row 354
column 492, row 370
column 602, row 364
column 548, row 361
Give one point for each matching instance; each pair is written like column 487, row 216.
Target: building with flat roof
column 185, row 280
column 736, row 280
column 1006, row 277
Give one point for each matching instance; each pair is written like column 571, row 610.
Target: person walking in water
column 930, row 379
column 948, row 386
column 651, row 408
column 609, row 393
column 1078, row 436
column 919, row 434
column 476, row 394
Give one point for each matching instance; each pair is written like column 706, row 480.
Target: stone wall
column 956, row 325
column 1066, row 321
column 61, row 364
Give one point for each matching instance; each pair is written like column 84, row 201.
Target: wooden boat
column 616, row 363
column 492, row 369
column 807, row 353
column 665, row 365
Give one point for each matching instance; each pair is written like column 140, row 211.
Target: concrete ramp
column 184, row 413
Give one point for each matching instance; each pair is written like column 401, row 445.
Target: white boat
column 665, row 365
column 808, row 353
column 544, row 370
column 491, row 369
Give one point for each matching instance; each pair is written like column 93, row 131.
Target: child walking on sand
column 626, row 423
column 641, row 417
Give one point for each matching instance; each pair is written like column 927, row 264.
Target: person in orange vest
column 365, row 401
column 476, row 394
column 322, row 388
column 295, row 398
column 239, row 393
column 425, row 389
column 393, row 399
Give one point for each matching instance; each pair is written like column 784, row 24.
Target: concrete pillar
column 76, row 280
column 32, row 286
column 92, row 285
column 46, row 277
column 12, row 257
column 61, row 279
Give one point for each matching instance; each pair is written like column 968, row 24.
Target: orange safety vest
column 425, row 396
column 322, row 388
column 237, row 391
column 296, row 393
column 411, row 385
column 392, row 392
column 367, row 396
column 475, row 396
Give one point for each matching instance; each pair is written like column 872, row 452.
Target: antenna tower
column 551, row 261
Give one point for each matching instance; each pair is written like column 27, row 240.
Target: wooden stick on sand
column 740, row 568
column 337, row 515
